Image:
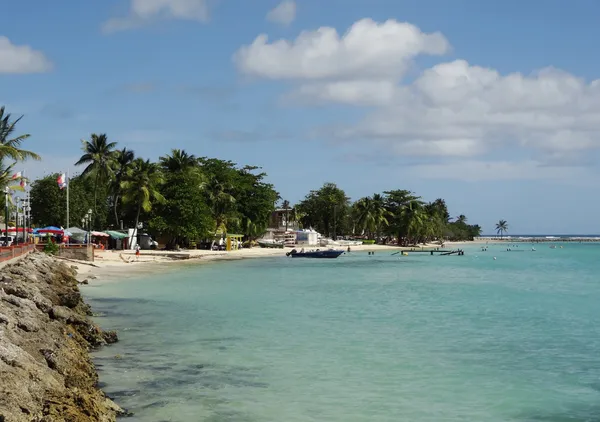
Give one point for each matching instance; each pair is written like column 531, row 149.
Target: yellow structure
column 233, row 241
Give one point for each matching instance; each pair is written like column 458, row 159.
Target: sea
column 496, row 335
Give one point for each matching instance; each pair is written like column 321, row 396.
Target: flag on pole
column 17, row 175
column 62, row 181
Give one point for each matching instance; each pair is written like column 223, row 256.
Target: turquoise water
column 361, row 338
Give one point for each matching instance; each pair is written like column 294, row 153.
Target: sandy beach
column 112, row 266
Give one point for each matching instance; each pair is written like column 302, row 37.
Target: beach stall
column 77, row 234
column 307, row 237
column 59, row 234
column 100, row 239
column 117, row 240
column 233, row 242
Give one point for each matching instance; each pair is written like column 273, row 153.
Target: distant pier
column 573, row 239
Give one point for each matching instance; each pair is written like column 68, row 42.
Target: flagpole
column 67, row 181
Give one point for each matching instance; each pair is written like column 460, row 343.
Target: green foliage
column 326, row 210
column 396, row 215
column 48, row 201
column 184, row 216
column 10, row 145
column 368, row 242
column 51, row 248
column 501, row 227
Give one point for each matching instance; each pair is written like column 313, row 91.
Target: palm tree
column 178, row 161
column 141, row 187
column 461, row 219
column 501, row 227
column 220, row 201
column 414, row 218
column 123, row 160
column 99, row 156
column 9, row 146
column 371, row 214
column 7, row 180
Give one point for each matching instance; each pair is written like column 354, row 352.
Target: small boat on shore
column 270, row 244
column 331, row 253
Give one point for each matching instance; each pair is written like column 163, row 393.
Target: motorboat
column 265, row 243
column 330, row 253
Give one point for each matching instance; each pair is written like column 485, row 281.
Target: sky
column 492, row 105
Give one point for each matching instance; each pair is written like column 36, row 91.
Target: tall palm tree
column 461, row 219
column 9, row 145
column 414, row 218
column 178, row 161
column 141, row 187
column 371, row 214
column 501, row 228
column 123, row 159
column 98, row 155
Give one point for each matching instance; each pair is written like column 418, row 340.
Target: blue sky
column 490, row 105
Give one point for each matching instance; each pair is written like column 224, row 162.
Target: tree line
column 392, row 216
column 183, row 198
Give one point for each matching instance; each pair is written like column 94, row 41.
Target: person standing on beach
column 137, row 252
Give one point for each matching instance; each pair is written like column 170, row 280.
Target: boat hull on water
column 332, row 253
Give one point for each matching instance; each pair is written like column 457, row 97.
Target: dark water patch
column 155, row 404
column 219, row 339
column 120, row 300
column 226, row 415
column 582, row 414
column 117, row 394
column 164, row 383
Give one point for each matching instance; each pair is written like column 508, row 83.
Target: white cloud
column 143, row 12
column 472, row 170
column 284, row 13
column 452, row 109
column 367, row 50
column 21, row 59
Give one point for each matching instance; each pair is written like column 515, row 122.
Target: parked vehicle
column 6, row 240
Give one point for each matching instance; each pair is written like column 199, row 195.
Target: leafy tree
column 501, row 227
column 184, row 216
column 255, row 201
column 141, row 186
column 395, row 202
column 325, row 210
column 98, row 155
column 219, row 190
column 48, row 202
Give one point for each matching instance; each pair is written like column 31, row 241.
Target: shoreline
column 113, row 266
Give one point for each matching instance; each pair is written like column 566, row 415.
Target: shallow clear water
column 360, row 338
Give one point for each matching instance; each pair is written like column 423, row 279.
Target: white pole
column 68, row 183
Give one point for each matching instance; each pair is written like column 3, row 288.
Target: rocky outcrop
column 46, row 373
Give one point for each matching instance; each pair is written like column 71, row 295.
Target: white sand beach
column 112, row 266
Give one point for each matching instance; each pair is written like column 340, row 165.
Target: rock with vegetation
column 46, row 373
